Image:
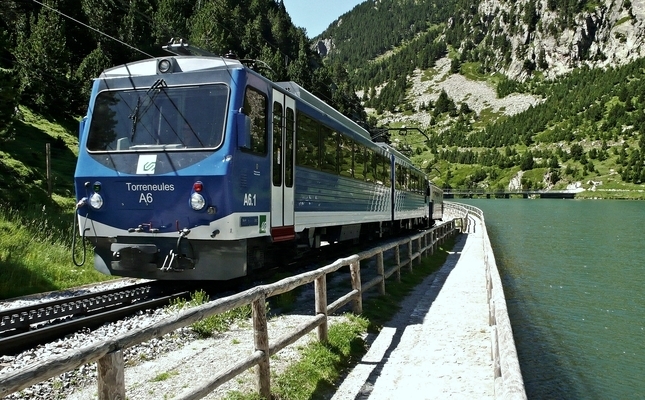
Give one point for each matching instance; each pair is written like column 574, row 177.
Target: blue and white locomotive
column 196, row 167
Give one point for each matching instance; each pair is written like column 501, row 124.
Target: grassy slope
column 36, row 231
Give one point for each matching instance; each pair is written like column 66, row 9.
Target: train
column 195, row 166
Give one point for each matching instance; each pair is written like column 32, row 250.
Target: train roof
column 306, row 96
column 178, row 63
column 183, row 61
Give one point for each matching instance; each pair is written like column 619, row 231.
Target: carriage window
column 308, row 142
column 360, row 163
column 406, row 178
column 346, row 156
column 370, row 165
column 255, row 106
column 384, row 170
column 329, row 151
column 288, row 151
column 376, row 164
column 400, row 176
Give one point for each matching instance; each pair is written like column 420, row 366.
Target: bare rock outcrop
column 613, row 33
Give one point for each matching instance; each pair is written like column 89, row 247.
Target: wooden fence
column 109, row 353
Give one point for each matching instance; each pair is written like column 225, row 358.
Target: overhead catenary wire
column 146, row 19
column 95, row 30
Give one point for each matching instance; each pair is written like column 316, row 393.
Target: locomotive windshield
column 159, row 118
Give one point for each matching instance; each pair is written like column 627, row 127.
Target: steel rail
column 24, row 317
column 22, row 341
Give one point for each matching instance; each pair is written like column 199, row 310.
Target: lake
column 574, row 278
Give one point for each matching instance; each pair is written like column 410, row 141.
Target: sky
column 316, row 15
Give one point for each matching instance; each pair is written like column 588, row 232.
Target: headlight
column 164, row 66
column 197, row 201
column 96, row 201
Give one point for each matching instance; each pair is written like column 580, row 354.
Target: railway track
column 25, row 327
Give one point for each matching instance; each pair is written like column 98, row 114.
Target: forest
column 48, row 58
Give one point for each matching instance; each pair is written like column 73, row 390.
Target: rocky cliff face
column 613, row 33
column 516, row 37
column 324, row 46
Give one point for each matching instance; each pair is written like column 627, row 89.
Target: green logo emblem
column 263, row 223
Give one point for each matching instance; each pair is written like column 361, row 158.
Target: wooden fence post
column 410, row 255
column 380, row 270
column 48, row 158
column 320, row 289
column 425, row 244
column 111, row 376
column 355, row 270
column 434, row 240
column 261, row 336
column 397, row 260
column 437, row 234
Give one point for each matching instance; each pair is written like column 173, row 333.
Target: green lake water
column 574, row 278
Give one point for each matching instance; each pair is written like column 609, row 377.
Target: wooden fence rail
column 109, row 353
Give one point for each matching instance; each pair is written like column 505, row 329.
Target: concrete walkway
column 439, row 345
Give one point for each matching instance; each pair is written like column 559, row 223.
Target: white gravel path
column 439, row 345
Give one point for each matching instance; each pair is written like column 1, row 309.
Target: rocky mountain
column 541, row 36
column 514, row 37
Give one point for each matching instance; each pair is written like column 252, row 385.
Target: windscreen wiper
column 136, row 116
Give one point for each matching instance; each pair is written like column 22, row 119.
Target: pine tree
column 90, row 68
column 136, row 29
column 8, row 93
column 170, row 20
column 43, row 63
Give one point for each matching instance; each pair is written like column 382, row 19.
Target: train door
column 282, row 167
